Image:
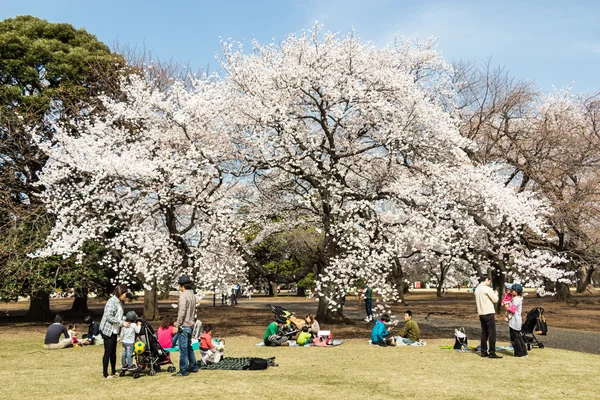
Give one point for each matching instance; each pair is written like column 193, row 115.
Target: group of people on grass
column 53, row 340
column 274, row 336
column 485, row 298
column 115, row 324
column 410, row 334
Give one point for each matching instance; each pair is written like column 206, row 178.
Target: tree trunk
column 438, row 290
column 273, row 289
column 584, row 283
column 327, row 316
column 563, row 293
column 80, row 305
column 39, row 307
column 398, row 281
column 498, row 280
column 151, row 304
column 301, row 291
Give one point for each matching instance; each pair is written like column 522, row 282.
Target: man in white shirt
column 485, row 298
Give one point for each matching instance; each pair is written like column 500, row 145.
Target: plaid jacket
column 112, row 317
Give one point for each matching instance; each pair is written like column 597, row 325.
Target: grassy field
column 354, row 370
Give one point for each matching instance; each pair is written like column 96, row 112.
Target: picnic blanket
column 400, row 343
column 473, row 349
column 336, row 342
column 235, row 364
column 195, row 346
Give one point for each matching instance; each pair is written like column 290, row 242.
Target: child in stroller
column 149, row 355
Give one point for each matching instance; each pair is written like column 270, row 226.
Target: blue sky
column 550, row 42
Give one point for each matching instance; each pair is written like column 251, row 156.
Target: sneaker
column 181, row 374
column 194, row 370
column 494, row 355
column 132, row 368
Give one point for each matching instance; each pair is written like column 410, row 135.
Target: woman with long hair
column 167, row 333
column 110, row 325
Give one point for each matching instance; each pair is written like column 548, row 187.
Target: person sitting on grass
column 167, row 333
column 52, row 340
column 312, row 324
column 93, row 330
column 73, row 335
column 410, row 333
column 305, row 337
column 207, row 347
column 273, row 336
column 380, row 333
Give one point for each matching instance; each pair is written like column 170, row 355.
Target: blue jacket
column 379, row 332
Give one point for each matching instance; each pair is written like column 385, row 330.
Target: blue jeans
column 175, row 341
column 187, row 358
column 127, row 355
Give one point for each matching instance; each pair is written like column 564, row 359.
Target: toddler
column 207, row 347
column 507, row 299
column 128, row 339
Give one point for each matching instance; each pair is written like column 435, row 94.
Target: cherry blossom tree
column 148, row 181
column 363, row 143
column 548, row 144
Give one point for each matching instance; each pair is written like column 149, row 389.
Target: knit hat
column 131, row 316
column 517, row 288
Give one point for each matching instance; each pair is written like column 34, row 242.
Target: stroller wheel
column 122, row 373
column 136, row 375
column 152, row 372
column 541, row 345
column 171, row 369
column 157, row 368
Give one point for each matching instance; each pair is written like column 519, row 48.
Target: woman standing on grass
column 110, row 325
column 515, row 307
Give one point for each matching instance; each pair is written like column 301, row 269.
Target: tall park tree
column 149, row 182
column 46, row 71
column 548, row 144
column 362, row 143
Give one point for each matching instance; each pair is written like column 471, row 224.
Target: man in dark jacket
column 93, row 330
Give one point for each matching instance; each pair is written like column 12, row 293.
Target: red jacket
column 206, row 341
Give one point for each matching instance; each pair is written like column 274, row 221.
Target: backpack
column 258, row 363
column 460, row 339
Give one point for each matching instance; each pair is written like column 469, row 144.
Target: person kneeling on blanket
column 410, row 333
column 272, row 335
column 380, row 333
column 207, row 347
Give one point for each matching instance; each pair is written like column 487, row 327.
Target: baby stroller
column 293, row 325
column 153, row 356
column 534, row 323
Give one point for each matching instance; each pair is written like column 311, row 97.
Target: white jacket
column 485, row 298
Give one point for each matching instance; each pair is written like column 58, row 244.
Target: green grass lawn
column 354, row 370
